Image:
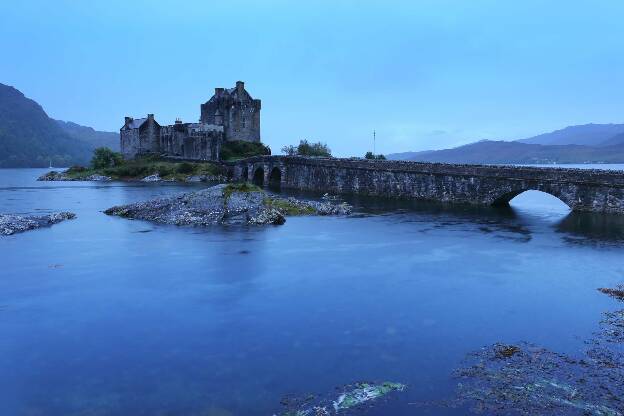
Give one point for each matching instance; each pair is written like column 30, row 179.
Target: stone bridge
column 582, row 190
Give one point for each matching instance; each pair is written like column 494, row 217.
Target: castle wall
column 192, row 141
column 130, row 144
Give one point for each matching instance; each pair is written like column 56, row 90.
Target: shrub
column 164, row 169
column 239, row 149
column 289, row 150
column 128, row 171
column 306, row 148
column 103, row 157
column 370, row 155
column 185, row 168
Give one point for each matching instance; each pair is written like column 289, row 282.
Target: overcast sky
column 423, row 74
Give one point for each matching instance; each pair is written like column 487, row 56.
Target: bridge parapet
column 582, row 189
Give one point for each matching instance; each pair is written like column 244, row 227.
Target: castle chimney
column 218, row 91
column 150, row 116
column 240, row 86
column 128, row 120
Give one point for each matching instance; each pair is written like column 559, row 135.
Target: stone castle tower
column 236, row 111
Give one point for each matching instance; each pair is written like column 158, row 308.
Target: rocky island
column 226, row 204
column 11, row 224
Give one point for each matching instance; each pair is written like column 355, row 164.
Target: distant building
column 231, row 114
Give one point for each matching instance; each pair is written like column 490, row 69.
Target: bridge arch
column 506, row 198
column 258, row 176
column 275, row 178
column 244, row 174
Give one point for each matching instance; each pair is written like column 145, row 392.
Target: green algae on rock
column 365, row 392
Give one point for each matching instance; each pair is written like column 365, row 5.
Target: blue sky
column 423, row 74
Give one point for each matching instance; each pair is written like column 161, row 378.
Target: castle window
column 243, row 122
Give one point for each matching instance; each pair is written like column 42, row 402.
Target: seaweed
column 526, row 379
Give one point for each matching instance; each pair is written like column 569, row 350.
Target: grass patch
column 239, row 187
column 287, row 207
column 79, row 172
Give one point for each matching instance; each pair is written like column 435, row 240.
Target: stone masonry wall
column 582, row 190
column 129, row 143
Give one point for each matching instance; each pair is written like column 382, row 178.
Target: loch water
column 106, row 316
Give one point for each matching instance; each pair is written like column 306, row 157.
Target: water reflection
column 592, row 229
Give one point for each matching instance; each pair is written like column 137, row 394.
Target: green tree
column 370, row 155
column 289, row 150
column 306, row 148
column 103, row 157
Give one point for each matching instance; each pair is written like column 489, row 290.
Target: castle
column 231, row 114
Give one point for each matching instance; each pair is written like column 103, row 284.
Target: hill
column 586, row 134
column 29, row 138
column 91, row 136
column 500, row 152
column 588, row 143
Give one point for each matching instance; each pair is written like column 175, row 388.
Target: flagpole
column 374, row 142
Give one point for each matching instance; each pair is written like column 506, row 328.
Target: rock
column 617, row 293
column 11, row 224
column 152, row 178
column 207, row 178
column 54, row 176
column 215, row 178
column 223, row 204
column 96, row 177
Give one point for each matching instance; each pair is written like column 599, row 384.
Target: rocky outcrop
column 224, row 204
column 11, row 224
column 62, row 176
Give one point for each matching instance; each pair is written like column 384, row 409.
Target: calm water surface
column 106, row 316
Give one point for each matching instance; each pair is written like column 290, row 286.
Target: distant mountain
column 589, row 143
column 614, row 141
column 90, row 136
column 29, row 138
column 499, row 152
column 586, row 134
